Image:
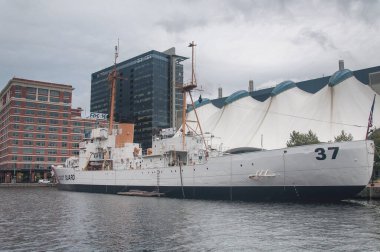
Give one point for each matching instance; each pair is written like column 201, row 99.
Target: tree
column 375, row 136
column 343, row 137
column 298, row 139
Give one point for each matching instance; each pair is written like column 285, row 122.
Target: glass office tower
column 148, row 93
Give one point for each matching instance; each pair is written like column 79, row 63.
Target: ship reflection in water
column 43, row 219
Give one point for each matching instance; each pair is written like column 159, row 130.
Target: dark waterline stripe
column 275, row 193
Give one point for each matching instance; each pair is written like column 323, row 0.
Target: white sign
column 94, row 115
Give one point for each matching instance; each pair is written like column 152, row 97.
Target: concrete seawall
column 24, row 185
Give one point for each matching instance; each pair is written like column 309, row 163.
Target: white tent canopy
column 343, row 104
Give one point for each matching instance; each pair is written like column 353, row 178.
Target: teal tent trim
column 340, row 76
column 283, row 86
column 236, row 96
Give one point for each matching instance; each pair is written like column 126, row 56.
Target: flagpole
column 370, row 118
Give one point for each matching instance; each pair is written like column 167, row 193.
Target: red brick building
column 38, row 128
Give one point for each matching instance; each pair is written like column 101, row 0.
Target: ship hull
column 323, row 172
column 302, row 193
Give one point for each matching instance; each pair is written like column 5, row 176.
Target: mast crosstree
column 186, row 89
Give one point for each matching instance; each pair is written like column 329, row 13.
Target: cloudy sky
column 64, row 41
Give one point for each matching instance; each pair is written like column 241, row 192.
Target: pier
column 25, row 185
column 372, row 191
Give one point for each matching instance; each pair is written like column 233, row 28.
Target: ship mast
column 112, row 79
column 187, row 89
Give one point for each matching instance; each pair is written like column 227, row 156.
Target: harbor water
column 46, row 219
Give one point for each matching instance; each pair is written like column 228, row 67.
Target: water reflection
column 48, row 219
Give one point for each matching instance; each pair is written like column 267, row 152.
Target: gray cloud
column 319, row 37
column 64, row 41
column 182, row 23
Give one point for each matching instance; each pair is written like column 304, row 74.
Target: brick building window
column 40, row 151
column 54, row 93
column 53, row 114
column 25, row 142
column 54, row 137
column 51, row 129
column 28, row 127
column 40, row 143
column 42, row 98
column 27, row 158
column 54, row 99
column 52, row 152
column 40, row 128
column 41, row 136
column 77, row 137
column 27, row 151
column 42, row 91
column 29, row 119
column 77, row 130
column 28, row 135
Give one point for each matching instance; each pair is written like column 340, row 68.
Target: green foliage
column 343, row 137
column 298, row 139
column 375, row 136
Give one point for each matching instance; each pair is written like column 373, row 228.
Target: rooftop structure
column 368, row 76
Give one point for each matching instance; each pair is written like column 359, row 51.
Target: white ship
column 329, row 171
column 194, row 165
